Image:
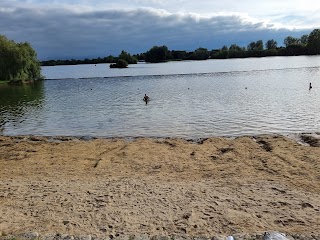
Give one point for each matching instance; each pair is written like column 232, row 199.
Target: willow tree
column 18, row 61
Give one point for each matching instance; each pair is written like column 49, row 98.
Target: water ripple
column 192, row 105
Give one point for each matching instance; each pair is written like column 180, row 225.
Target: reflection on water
column 17, row 103
column 190, row 105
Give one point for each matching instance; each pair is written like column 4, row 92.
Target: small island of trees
column 18, row 62
column 123, row 60
column 119, row 64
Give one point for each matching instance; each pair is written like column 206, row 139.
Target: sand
column 162, row 187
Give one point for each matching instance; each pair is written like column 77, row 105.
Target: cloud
column 63, row 33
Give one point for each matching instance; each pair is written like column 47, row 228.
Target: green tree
column 251, row 46
column 140, row 56
column 223, row 52
column 109, row 59
column 304, row 39
column 314, row 42
column 157, row 54
column 201, row 54
column 255, row 46
column 236, row 52
column 127, row 57
column 18, row 61
column 259, row 45
column 235, row 47
column 271, row 44
column 178, row 55
column 291, row 41
column 224, row 48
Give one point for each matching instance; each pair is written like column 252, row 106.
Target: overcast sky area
column 65, row 29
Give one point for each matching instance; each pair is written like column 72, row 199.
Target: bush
column 120, row 64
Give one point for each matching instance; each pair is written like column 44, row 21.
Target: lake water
column 192, row 99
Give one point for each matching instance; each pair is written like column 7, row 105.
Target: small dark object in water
column 146, row 98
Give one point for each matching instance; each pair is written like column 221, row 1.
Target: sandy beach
column 112, row 187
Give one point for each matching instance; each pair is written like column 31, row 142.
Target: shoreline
column 304, row 138
column 159, row 186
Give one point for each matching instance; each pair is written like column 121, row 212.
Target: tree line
column 305, row 45
column 18, row 61
column 308, row 44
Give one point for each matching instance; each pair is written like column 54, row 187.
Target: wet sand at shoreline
column 159, row 186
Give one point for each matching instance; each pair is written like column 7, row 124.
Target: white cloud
column 272, row 10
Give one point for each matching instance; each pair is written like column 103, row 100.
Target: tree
column 224, row 48
column 259, row 45
column 181, row 55
column 290, row 41
column 223, row 53
column 235, row 47
column 157, row 54
column 314, row 42
column 18, row 61
column 255, row 46
column 201, row 54
column 220, row 53
column 236, row 52
column 127, row 57
column 251, row 46
column 304, row 39
column 271, row 44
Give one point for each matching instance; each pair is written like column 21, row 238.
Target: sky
column 78, row 29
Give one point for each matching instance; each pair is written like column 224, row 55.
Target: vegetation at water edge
column 120, row 64
column 18, row 61
column 123, row 60
column 305, row 45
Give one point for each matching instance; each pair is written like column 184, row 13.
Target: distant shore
column 160, row 187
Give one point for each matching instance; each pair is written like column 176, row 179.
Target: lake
column 189, row 99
